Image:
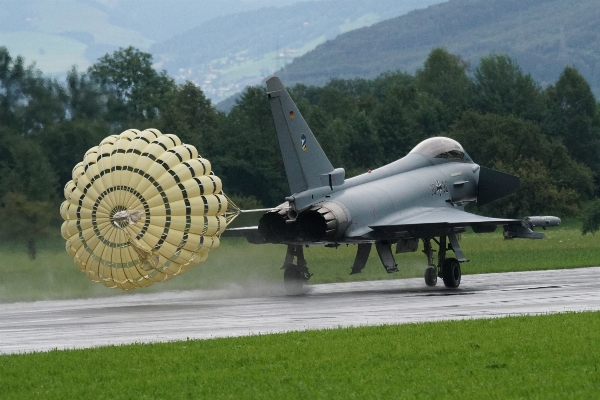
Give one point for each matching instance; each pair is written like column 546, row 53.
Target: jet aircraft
column 420, row 197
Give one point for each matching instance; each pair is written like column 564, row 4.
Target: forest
column 541, row 35
column 549, row 135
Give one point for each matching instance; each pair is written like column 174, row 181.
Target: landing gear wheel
column 431, row 276
column 451, row 273
column 294, row 279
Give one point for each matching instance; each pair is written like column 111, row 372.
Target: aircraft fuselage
column 345, row 213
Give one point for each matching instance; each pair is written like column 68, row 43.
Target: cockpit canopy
column 442, row 148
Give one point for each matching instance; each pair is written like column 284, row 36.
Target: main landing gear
column 447, row 268
column 295, row 275
column 296, row 272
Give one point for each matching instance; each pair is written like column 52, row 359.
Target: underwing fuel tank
column 541, row 222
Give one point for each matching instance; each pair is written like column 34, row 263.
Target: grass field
column 552, row 356
column 53, row 275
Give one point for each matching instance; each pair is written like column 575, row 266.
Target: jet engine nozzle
column 276, row 227
column 325, row 221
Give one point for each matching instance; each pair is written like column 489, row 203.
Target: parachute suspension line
column 232, row 209
column 149, row 260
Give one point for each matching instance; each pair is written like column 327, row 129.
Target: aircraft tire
column 431, row 276
column 451, row 273
column 293, row 280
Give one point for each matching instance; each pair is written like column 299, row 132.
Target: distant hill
column 227, row 53
column 58, row 34
column 543, row 36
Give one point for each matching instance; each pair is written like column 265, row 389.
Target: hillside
column 225, row 54
column 58, row 34
column 543, row 36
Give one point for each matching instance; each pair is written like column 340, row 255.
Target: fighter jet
column 419, row 198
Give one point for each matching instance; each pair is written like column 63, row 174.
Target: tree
column 191, row 116
column 27, row 191
column 86, row 99
column 591, row 218
column 26, row 169
column 29, row 102
column 65, row 143
column 364, row 148
column 395, row 120
column 334, row 138
column 550, row 180
column 444, row 77
column 573, row 114
column 23, row 220
column 538, row 193
column 329, row 130
column 335, row 104
column 247, row 154
column 501, row 87
column 137, row 92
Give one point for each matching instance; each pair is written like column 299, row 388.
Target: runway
column 238, row 311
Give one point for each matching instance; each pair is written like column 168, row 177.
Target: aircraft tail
column 306, row 165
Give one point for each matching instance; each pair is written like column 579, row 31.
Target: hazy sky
column 56, row 34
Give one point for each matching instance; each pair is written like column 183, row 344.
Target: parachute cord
column 148, row 258
column 232, row 210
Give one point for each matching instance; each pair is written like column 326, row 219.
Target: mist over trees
column 549, row 136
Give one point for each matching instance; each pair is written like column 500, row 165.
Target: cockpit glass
column 441, row 147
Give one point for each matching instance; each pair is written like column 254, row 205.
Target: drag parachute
column 142, row 207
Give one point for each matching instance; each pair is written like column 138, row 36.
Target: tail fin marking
column 304, row 160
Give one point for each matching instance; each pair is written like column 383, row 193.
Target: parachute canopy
column 142, row 207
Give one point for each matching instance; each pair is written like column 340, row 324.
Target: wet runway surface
column 168, row 316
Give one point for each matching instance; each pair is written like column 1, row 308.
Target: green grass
column 53, row 275
column 551, row 356
column 563, row 247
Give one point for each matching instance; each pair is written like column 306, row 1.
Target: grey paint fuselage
column 399, row 189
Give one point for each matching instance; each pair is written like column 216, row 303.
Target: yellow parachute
column 142, row 207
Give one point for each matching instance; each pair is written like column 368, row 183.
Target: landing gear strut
column 296, row 274
column 431, row 273
column 447, row 268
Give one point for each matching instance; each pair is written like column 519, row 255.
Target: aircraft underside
column 296, row 272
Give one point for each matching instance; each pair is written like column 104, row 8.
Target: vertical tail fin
column 306, row 164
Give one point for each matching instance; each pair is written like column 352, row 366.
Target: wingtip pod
column 142, row 207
